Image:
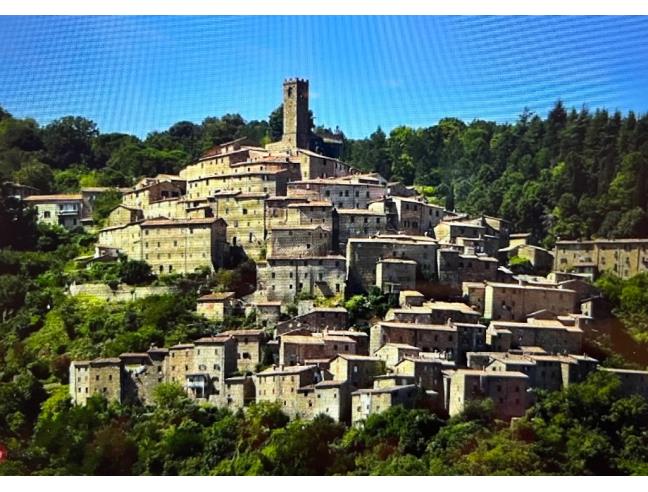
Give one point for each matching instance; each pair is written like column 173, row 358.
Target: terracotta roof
column 356, row 357
column 286, row 370
column 216, row 339
column 605, row 241
column 178, row 222
column 492, row 374
column 216, row 296
column 307, row 258
column 235, row 333
column 397, row 261
column 389, row 389
column 181, row 346
column 134, row 354
column 330, row 383
column 310, row 227
column 106, row 360
column 53, row 198
column 623, row 371
column 418, row 326
column 358, row 211
column 336, row 309
column 312, row 203
column 399, row 346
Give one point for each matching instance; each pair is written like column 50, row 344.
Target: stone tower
column 296, row 119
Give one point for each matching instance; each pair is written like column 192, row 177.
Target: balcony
column 68, row 210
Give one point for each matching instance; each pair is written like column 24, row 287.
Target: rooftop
column 216, row 339
column 389, row 389
column 161, row 222
column 279, row 371
column 216, row 296
column 397, row 261
column 400, row 346
column 53, row 198
column 359, row 358
column 491, row 374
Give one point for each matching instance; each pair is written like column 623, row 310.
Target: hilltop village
column 463, row 326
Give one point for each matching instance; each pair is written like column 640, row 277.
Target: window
column 46, row 215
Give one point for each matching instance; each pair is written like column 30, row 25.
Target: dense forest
column 587, row 429
column 573, row 174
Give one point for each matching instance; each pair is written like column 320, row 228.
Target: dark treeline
column 586, row 429
column 573, row 174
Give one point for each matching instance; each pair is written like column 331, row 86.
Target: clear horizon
column 141, row 74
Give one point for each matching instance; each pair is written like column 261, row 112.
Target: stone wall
column 123, row 292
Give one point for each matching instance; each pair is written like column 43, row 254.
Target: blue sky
column 138, row 74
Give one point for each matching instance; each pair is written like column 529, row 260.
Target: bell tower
column 296, row 118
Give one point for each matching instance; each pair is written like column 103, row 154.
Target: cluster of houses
column 432, row 354
column 466, row 327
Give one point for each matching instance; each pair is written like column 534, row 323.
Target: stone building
column 427, row 373
column 329, row 397
column 296, row 117
column 623, row 257
column 267, row 313
column 410, row 298
column 515, row 302
column 244, row 214
column 102, row 376
column 392, row 353
column 214, row 360
column 123, row 215
column 560, row 335
column 357, row 222
column 317, row 320
column 365, row 402
column 455, row 267
column 142, row 373
column 545, row 371
column 450, row 340
column 395, row 274
column 507, row 390
column 363, row 255
column 281, row 384
column 249, row 346
column 416, row 216
column 151, row 190
column 215, row 306
column 66, row 211
column 170, row 246
column 297, row 241
column 632, row 381
column 298, row 348
column 540, row 258
column 18, row 191
column 182, row 246
column 239, row 392
column 358, row 370
column 434, row 312
column 181, row 361
column 449, row 232
column 286, row 211
column 473, row 294
column 344, row 193
column 360, row 337
column 281, row 279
